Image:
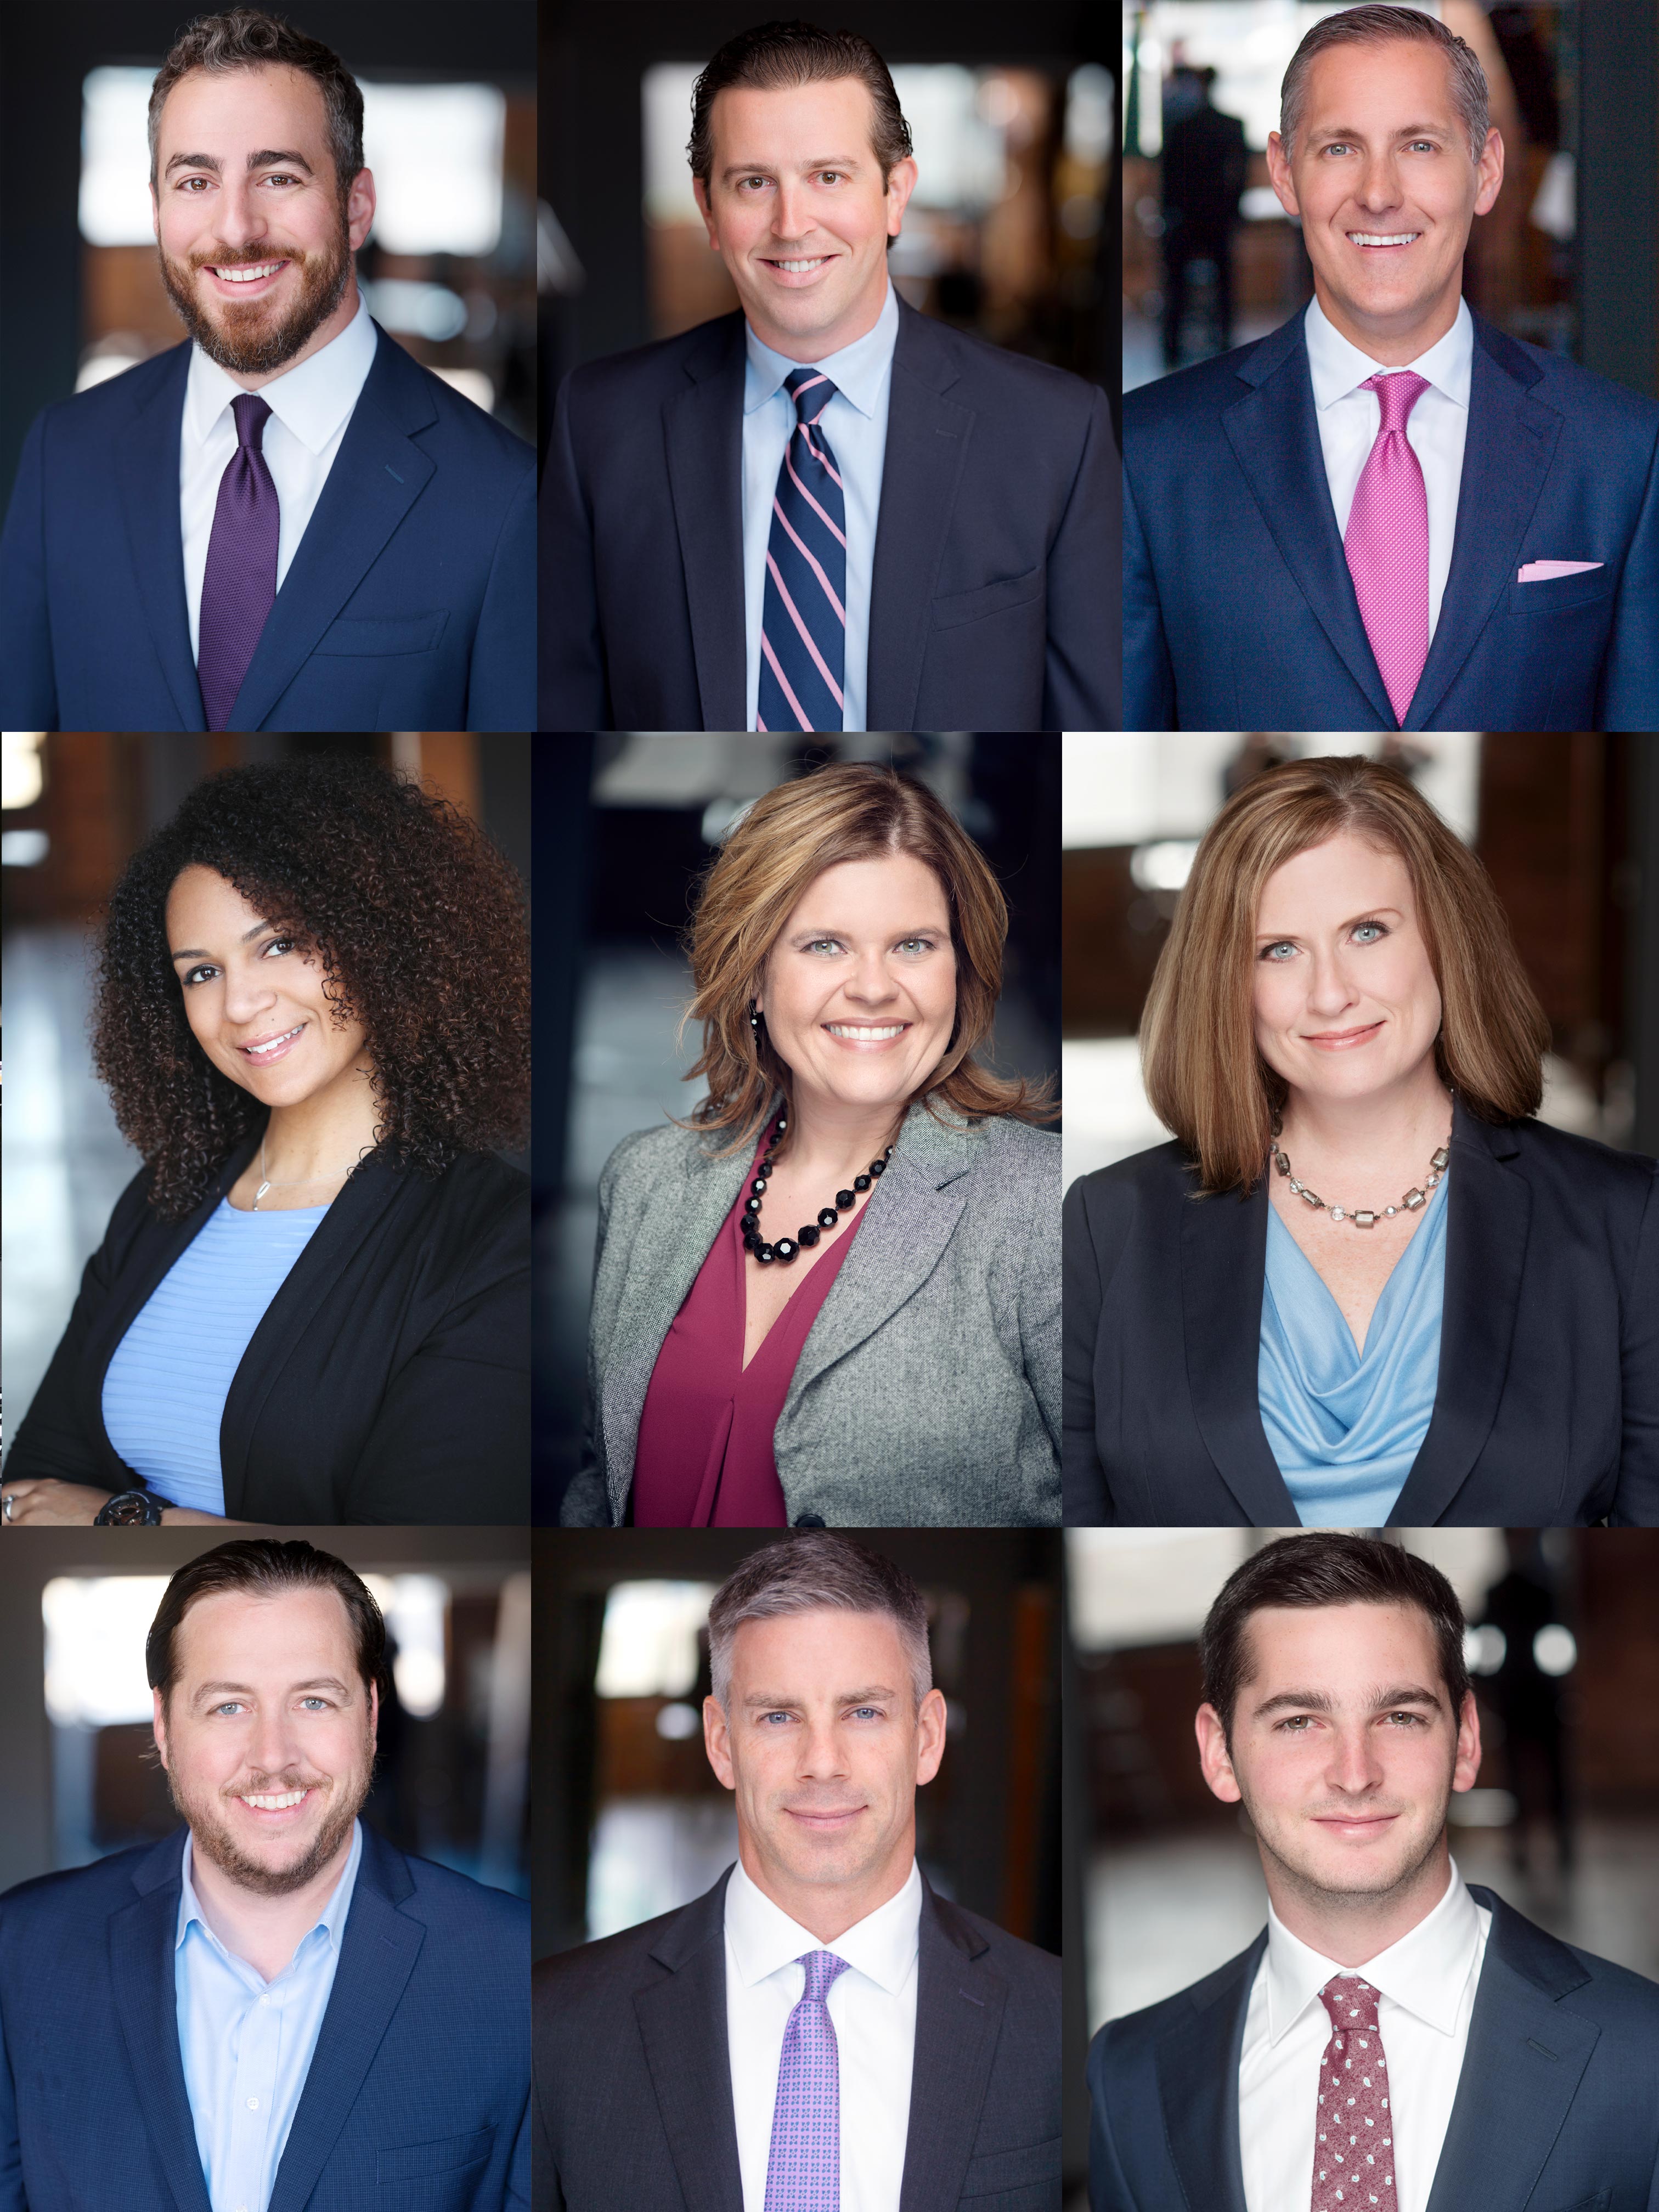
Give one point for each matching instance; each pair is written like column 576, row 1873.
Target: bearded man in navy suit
column 1389, row 513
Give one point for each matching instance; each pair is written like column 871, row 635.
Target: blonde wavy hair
column 1204, row 1077
column 850, row 811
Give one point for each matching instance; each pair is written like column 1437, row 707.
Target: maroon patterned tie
column 239, row 582
column 1353, row 2150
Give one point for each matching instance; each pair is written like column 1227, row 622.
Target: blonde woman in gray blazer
column 895, row 1361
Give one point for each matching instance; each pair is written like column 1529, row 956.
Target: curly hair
column 417, row 922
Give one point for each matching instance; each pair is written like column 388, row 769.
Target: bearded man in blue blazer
column 1393, row 2039
column 826, row 511
column 286, row 524
column 1389, row 513
column 273, row 2009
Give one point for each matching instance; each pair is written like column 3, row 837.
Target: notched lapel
column 147, row 468
column 959, row 2008
column 1197, row 2067
column 1224, row 1258
column 703, row 432
column 928, row 436
column 141, row 1941
column 683, row 2027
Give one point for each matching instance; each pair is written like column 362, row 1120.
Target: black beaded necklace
column 789, row 1248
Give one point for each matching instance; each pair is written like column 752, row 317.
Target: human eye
column 229, row 1706
column 1378, row 929
column 1294, row 1724
column 831, row 176
column 1415, row 1719
column 316, row 1705
column 822, row 945
column 866, row 1713
column 186, row 185
column 1283, row 944
column 277, row 944
column 917, row 944
column 1336, row 146
column 766, row 1719
column 193, row 975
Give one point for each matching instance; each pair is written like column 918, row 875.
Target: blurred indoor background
column 449, row 131
column 75, row 1606
column 1567, row 826
column 75, row 806
column 1012, row 232
column 624, row 825
column 1567, row 259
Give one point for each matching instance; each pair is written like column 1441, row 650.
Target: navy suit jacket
column 993, row 598
column 1555, row 2109
column 417, row 2098
column 1238, row 610
column 1546, row 1408
column 633, row 2083
column 409, row 604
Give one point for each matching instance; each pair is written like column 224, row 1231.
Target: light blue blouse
column 165, row 1390
column 1344, row 1426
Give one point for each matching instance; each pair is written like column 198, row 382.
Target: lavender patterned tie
column 239, row 582
column 802, row 2170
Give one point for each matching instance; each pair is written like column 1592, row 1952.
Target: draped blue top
column 165, row 1390
column 1344, row 1425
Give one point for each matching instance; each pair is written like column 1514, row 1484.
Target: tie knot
column 1397, row 393
column 252, row 415
column 1351, row 2002
column 822, row 1968
column 812, row 391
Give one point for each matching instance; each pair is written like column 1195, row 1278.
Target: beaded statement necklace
column 1366, row 1217
column 788, row 1248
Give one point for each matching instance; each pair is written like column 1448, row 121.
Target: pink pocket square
column 1539, row 572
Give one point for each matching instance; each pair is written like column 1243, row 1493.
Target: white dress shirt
column 855, row 425
column 1349, row 420
column 872, row 2010
column 1426, row 1984
column 310, row 407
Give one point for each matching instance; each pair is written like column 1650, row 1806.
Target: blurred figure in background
column 1526, row 1700
column 1205, row 159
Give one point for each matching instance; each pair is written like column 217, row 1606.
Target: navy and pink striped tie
column 804, row 618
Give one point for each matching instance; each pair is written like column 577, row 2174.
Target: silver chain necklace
column 1366, row 1217
column 304, row 1183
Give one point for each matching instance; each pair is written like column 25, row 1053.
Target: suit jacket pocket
column 1601, row 2202
column 414, row 634
column 414, row 2161
column 1550, row 595
column 1029, row 2168
column 953, row 609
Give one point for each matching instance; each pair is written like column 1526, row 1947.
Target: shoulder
column 1542, row 1153
column 1562, row 383
column 1579, row 1981
column 612, row 1967
column 468, row 1908
column 644, row 375
column 87, row 417
column 81, row 1894
column 1161, row 1176
column 474, row 438
column 650, row 1158
column 1123, row 2041
column 476, row 1191
column 992, row 372
column 1004, row 1147
column 1174, row 403
column 1026, row 1967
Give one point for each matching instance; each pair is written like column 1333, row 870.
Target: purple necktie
column 802, row 2170
column 239, row 582
column 1353, row 2132
column 1387, row 543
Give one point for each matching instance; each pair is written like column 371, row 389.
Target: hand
column 47, row 1503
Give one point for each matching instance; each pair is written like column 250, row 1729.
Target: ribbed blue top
column 164, row 1392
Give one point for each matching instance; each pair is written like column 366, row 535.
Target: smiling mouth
column 245, row 276
column 836, row 1819
column 270, row 1804
column 1389, row 239
column 1338, row 1039
column 800, row 265
column 270, row 1048
column 865, row 1033
column 1358, row 1822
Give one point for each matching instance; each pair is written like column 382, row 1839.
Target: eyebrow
column 758, row 1703
column 921, row 929
column 767, row 168
column 266, row 158
column 1317, row 1701
column 1273, row 936
column 196, row 952
column 244, row 1690
column 1407, row 131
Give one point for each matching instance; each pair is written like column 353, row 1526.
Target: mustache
column 276, row 1785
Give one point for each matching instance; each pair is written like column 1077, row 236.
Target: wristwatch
column 133, row 1509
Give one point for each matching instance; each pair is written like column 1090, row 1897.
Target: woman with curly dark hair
column 311, row 1304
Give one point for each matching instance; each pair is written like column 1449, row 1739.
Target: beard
column 1368, row 1889
column 248, row 339
column 210, row 1835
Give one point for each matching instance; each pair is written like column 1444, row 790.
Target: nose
column 790, row 221
column 247, row 995
column 1378, row 188
column 271, row 1745
column 1353, row 1768
column 820, row 1759
column 240, row 215
column 870, row 982
column 1330, row 992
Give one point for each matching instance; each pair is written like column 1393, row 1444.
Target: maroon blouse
column 704, row 1457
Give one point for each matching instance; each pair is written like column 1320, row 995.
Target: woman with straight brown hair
column 833, row 1297
column 1365, row 1285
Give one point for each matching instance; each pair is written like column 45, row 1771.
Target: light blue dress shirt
column 1344, row 1426
column 855, row 425
column 247, row 2044
column 165, row 1389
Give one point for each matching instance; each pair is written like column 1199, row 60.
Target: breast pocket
column 953, row 609
column 1022, row 2180
column 1553, row 595
column 410, row 633
column 432, row 2177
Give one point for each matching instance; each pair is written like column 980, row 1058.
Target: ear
column 1467, row 1765
column 930, row 1736
column 1489, row 173
column 701, row 191
column 158, row 1726
column 1214, row 1758
column 717, row 1742
column 373, row 1717
column 155, row 215
column 360, row 209
column 1278, row 174
column 901, row 183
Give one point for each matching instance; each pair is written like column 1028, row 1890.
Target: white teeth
column 268, row 1804
column 866, row 1034
column 259, row 1051
column 248, row 275
column 1380, row 238
column 798, row 268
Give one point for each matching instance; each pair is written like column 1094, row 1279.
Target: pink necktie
column 1387, row 543
column 1354, row 2135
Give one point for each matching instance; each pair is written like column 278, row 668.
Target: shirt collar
column 331, row 1919
column 857, row 371
column 311, row 400
column 764, row 1938
column 1338, row 368
column 1425, row 1972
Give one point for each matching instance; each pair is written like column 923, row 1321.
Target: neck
column 1393, row 345
column 323, row 1137
column 839, row 1139
column 1352, row 1931
column 325, row 334
column 265, row 1930
column 858, row 322
column 828, row 1910
column 1406, row 1118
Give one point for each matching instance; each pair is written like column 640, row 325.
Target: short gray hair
column 812, row 1568
column 1376, row 26
column 248, row 38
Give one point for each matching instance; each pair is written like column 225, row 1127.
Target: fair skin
column 1382, row 155
column 824, row 1747
column 797, row 208
column 1346, row 1011
column 244, row 182
column 268, row 1736
column 859, row 995
column 1345, row 1754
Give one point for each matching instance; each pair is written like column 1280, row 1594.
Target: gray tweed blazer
column 928, row 1391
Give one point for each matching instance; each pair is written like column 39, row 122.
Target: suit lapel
column 1197, row 2066
column 1487, row 1230
column 703, row 431
column 681, row 2021
column 378, row 475
column 142, row 1937
column 926, row 449
column 1224, row 1258
column 959, row 2005
column 1273, row 431
column 1507, row 450
column 147, row 468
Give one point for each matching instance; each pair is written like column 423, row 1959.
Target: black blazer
column 632, row 2083
column 1547, row 1412
column 994, row 593
column 388, row 1379
column 1554, row 2111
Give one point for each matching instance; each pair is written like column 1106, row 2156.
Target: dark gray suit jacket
column 633, row 2084
column 1556, row 2108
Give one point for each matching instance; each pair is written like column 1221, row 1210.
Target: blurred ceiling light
column 1483, row 1650
column 417, row 1609
column 1138, row 1586
column 96, row 1629
column 1164, row 866
column 23, row 848
column 112, row 357
column 1091, row 112
column 1553, row 1650
column 22, row 777
column 472, row 384
column 678, row 1723
column 424, row 311
column 648, row 1645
